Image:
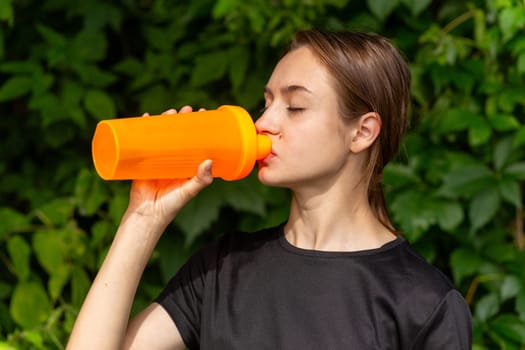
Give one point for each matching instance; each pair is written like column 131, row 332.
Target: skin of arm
column 102, row 322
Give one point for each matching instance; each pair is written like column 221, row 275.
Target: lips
column 267, row 158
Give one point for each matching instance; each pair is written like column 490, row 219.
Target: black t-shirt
column 257, row 291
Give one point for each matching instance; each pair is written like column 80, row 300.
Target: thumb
column 197, row 183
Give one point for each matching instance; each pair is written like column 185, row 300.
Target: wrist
column 144, row 224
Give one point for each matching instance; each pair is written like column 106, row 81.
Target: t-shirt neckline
column 285, row 244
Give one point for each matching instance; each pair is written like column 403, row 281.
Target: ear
column 365, row 132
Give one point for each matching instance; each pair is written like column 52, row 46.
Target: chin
column 273, row 179
column 266, row 178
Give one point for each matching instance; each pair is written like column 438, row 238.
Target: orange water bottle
column 172, row 146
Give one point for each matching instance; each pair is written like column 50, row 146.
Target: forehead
column 300, row 68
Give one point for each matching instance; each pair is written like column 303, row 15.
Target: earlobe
column 367, row 129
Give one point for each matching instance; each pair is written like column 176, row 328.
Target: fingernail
column 207, row 170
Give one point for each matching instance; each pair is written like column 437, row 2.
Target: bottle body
column 172, row 146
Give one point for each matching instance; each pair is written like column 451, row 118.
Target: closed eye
column 295, row 109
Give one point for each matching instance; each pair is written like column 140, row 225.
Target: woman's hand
column 160, row 200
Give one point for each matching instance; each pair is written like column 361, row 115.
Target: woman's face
column 310, row 140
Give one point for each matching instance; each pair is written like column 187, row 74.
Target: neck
column 335, row 219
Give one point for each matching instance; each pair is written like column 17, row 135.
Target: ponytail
column 376, row 198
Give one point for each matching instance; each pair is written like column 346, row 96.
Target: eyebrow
column 287, row 90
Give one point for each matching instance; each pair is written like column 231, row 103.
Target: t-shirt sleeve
column 182, row 297
column 449, row 327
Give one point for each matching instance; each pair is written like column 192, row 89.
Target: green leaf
column 93, row 76
column 510, row 191
column 414, row 213
column 521, row 63
column 480, row 26
column 49, row 249
column 79, row 286
column 15, row 87
column 100, row 231
column 239, row 61
column 516, row 170
column 71, row 98
column 90, row 193
column 6, row 346
column 99, row 104
column 20, row 67
column 510, row 327
column 487, row 307
column 483, row 207
column 209, row 67
column 499, row 252
column 416, row 6
column 49, row 107
column 224, row 7
column 466, row 179
column 449, row 215
column 520, row 304
column 156, row 98
column 6, row 12
column 94, row 51
column 457, row 119
column 57, row 211
column 57, row 281
column 504, row 122
column 53, row 38
column 399, row 175
column 502, row 152
column 464, row 262
column 118, row 204
column 479, row 133
column 5, row 290
column 20, row 253
column 519, row 137
column 173, row 253
column 199, row 213
column 382, row 8
column 129, row 66
column 510, row 287
column 30, row 306
column 511, row 19
column 244, row 195
column 11, row 221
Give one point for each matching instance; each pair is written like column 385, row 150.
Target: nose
column 267, row 123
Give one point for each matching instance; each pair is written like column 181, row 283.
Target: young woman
column 336, row 275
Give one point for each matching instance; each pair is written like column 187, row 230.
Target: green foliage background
column 455, row 190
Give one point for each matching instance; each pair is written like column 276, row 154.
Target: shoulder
column 449, row 326
column 437, row 306
column 427, row 301
column 419, row 275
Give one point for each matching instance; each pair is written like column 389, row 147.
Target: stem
column 7, row 263
column 520, row 237
column 472, row 290
column 458, row 20
column 476, row 281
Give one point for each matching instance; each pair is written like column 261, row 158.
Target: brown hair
column 369, row 75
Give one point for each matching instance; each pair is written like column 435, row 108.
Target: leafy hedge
column 456, row 189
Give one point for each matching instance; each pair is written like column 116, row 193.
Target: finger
column 186, row 109
column 202, row 109
column 145, row 114
column 198, row 182
column 170, row 111
column 204, row 172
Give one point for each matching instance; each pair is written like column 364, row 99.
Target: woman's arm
column 103, row 319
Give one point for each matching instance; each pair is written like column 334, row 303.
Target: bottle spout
column 264, row 146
